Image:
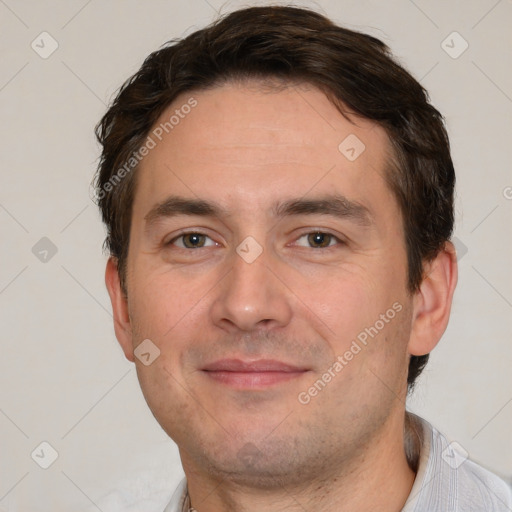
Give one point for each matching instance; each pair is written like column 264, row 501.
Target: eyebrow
column 335, row 205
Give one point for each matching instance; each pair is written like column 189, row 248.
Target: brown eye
column 320, row 240
column 192, row 240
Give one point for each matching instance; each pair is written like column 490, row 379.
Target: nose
column 251, row 297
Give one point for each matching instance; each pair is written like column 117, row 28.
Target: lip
column 252, row 374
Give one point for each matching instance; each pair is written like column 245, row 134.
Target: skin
column 253, row 449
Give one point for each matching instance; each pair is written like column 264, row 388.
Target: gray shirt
column 446, row 481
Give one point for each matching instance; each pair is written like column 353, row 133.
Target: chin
column 267, row 464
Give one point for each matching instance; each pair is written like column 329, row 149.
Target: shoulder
column 448, row 480
column 146, row 491
column 480, row 489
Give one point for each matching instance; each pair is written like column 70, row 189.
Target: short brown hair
column 355, row 71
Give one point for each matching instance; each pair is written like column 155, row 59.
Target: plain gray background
column 64, row 379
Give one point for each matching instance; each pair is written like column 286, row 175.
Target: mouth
column 252, row 374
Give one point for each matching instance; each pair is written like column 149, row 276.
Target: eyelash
column 314, row 232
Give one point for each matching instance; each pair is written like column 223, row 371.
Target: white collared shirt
column 447, row 481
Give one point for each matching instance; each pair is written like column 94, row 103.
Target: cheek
column 163, row 389
column 369, row 326
column 163, row 302
column 347, row 302
column 387, row 357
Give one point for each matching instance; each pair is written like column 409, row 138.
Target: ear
column 432, row 302
column 122, row 323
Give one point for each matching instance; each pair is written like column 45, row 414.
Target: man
column 278, row 194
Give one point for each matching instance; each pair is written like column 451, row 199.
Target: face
column 267, row 265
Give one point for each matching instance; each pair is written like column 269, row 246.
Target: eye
column 318, row 240
column 192, row 240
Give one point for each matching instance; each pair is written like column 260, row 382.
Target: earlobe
column 432, row 302
column 122, row 323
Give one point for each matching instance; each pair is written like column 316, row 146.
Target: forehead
column 251, row 145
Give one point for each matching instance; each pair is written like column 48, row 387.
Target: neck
column 379, row 478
